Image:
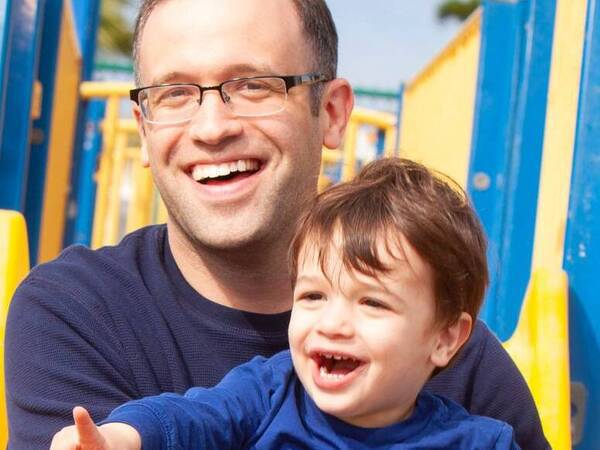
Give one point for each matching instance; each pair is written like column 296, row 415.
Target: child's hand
column 85, row 435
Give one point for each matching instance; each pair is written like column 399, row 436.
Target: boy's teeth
column 332, row 376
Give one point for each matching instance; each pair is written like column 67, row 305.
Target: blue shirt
column 262, row 405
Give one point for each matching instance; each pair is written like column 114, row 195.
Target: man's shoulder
column 80, row 275
column 79, row 259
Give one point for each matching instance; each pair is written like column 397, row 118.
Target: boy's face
column 362, row 346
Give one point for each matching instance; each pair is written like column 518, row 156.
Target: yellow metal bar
column 540, row 348
column 349, row 162
column 91, row 89
column 14, row 265
column 390, row 140
column 139, row 211
column 115, row 202
column 104, row 174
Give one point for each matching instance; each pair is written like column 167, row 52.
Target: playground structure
column 510, row 108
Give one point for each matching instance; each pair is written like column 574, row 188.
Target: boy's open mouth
column 335, row 366
column 225, row 172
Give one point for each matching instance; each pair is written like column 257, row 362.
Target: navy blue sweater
column 99, row 328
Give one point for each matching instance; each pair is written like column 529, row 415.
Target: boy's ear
column 450, row 340
column 336, row 106
column 142, row 132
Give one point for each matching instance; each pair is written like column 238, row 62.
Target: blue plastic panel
column 20, row 71
column 582, row 246
column 514, row 67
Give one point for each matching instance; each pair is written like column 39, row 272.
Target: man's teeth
column 332, row 376
column 203, row 172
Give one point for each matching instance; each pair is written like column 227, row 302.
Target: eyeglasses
column 245, row 97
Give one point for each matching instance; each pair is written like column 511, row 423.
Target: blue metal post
column 21, row 54
column 41, row 127
column 516, row 47
column 4, row 51
column 87, row 146
column 582, row 245
column 399, row 105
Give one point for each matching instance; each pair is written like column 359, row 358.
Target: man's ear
column 137, row 113
column 336, row 106
column 450, row 340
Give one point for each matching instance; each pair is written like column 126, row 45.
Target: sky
column 386, row 42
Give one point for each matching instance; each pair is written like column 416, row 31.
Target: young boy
column 389, row 273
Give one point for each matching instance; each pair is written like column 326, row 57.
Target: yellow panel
column 540, row 348
column 559, row 139
column 438, row 106
column 62, row 131
column 14, row 265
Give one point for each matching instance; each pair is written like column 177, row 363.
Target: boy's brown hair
column 392, row 197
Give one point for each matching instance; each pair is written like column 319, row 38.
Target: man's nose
column 336, row 320
column 214, row 122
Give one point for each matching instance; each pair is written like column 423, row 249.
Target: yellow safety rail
column 14, row 265
column 540, row 348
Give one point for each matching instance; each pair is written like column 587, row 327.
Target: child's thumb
column 89, row 435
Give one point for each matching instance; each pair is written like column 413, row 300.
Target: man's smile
column 211, row 173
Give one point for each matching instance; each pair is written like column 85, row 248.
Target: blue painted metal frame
column 4, row 43
column 88, row 142
column 80, row 219
column 34, row 200
column 582, row 244
column 508, row 131
column 400, row 105
column 20, row 71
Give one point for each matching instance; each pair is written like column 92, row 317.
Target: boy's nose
column 336, row 321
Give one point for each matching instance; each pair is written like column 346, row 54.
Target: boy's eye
column 374, row 303
column 311, row 296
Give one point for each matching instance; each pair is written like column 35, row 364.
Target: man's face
column 362, row 346
column 270, row 163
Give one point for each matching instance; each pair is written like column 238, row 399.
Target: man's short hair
column 392, row 197
column 319, row 30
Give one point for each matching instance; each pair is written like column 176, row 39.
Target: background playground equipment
column 511, row 107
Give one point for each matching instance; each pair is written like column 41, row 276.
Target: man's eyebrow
column 233, row 71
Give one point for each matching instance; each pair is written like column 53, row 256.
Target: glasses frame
column 289, row 80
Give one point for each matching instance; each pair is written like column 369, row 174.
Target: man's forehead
column 223, row 33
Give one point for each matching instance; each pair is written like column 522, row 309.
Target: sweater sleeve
column 58, row 353
column 224, row 417
column 486, row 381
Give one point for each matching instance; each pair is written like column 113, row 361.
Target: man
column 235, row 162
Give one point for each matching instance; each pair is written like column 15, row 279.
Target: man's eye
column 255, row 86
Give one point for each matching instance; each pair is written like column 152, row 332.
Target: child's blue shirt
column 263, row 405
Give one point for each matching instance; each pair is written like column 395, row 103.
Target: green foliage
column 115, row 34
column 458, row 9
